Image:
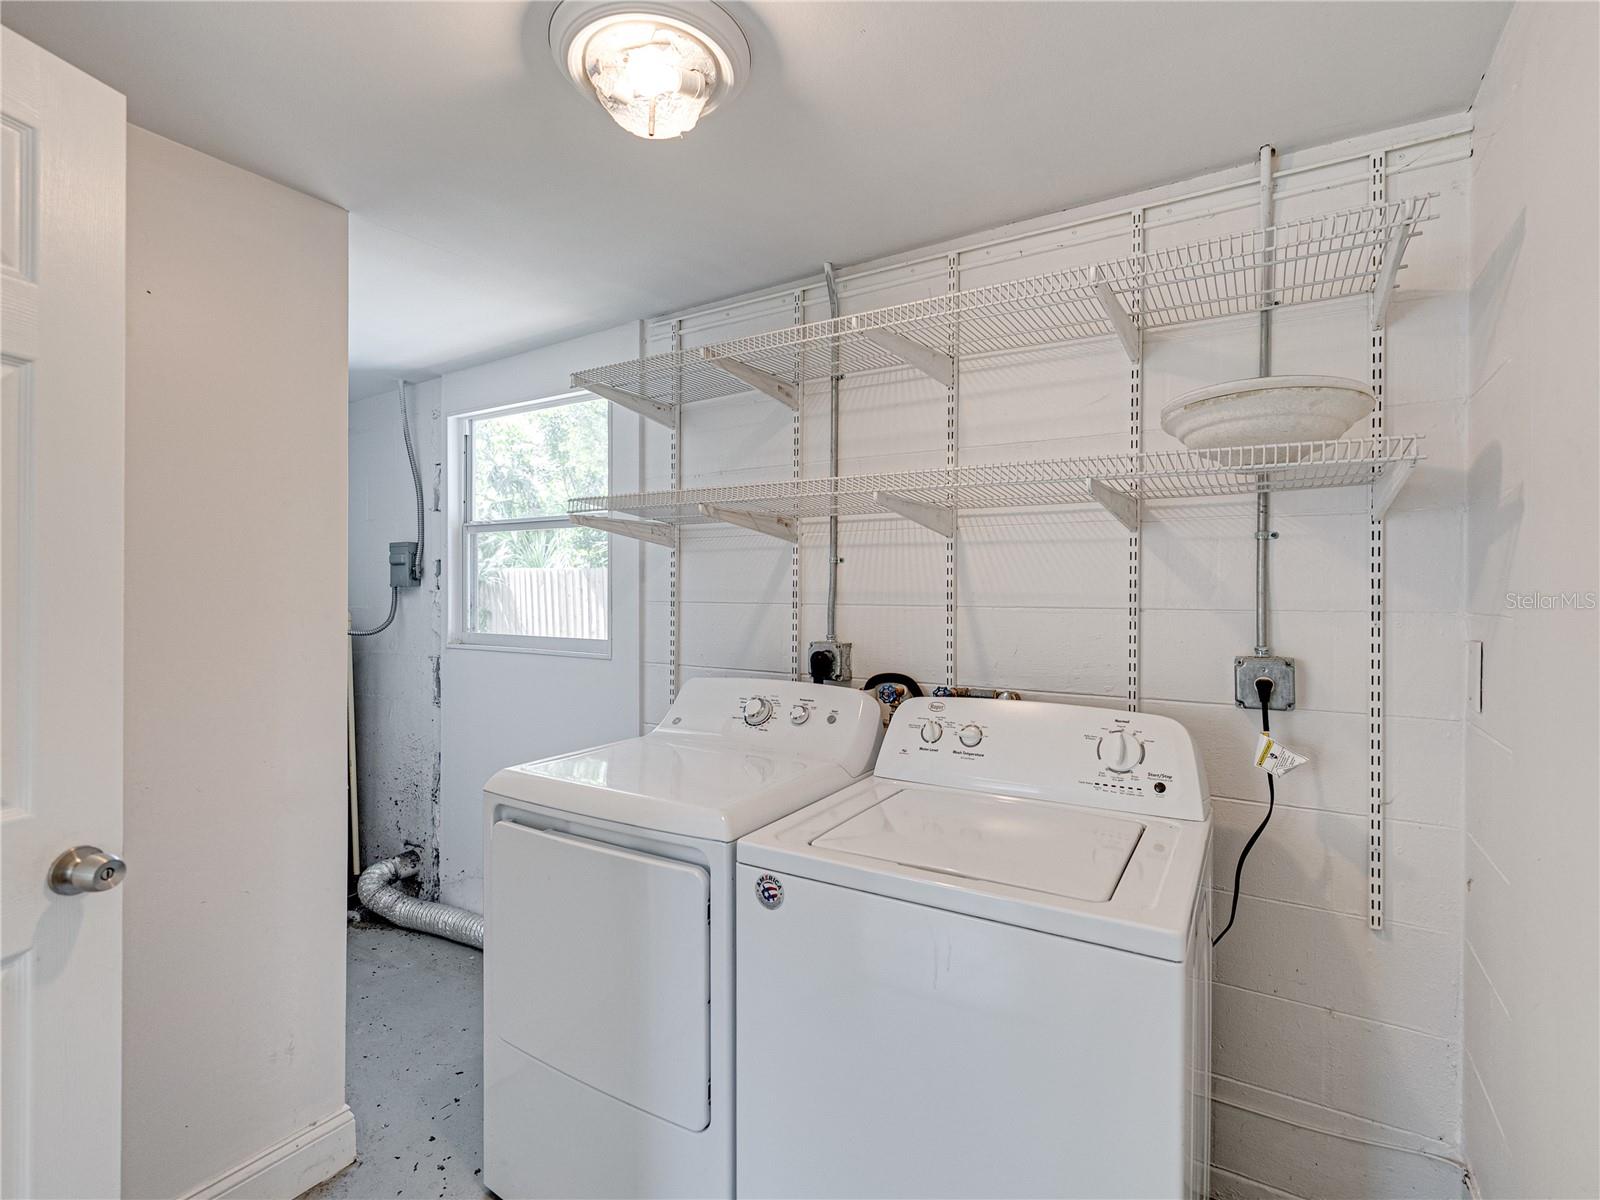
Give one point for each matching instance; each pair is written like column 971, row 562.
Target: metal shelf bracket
column 1127, row 332
column 784, row 528
column 661, row 414
column 658, row 532
column 1383, row 286
column 1118, row 503
column 930, row 516
column 939, row 367
column 770, row 385
column 1388, row 485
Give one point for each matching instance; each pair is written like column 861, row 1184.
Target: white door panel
column 63, row 145
column 601, row 969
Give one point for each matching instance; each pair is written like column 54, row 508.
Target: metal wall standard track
column 1135, row 449
column 952, row 450
column 1375, row 764
column 676, row 557
column 794, row 470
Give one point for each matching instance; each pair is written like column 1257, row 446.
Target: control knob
column 757, row 710
column 1120, row 751
column 799, row 714
column 932, row 731
column 970, row 736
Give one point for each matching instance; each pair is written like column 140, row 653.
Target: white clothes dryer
column 609, row 935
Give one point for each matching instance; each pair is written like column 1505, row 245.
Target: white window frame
column 463, row 528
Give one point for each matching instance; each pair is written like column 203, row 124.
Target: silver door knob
column 86, row 869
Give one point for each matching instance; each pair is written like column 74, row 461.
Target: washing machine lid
column 1064, row 869
column 1021, row 843
column 691, row 786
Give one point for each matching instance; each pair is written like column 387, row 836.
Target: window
column 530, row 577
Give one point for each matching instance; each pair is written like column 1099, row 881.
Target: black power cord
column 1264, row 690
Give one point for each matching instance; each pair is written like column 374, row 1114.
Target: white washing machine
column 985, row 970
column 608, row 950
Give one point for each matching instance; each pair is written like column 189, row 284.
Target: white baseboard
column 295, row 1165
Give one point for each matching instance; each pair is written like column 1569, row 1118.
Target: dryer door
column 598, row 965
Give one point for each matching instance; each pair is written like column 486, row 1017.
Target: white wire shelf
column 1358, row 251
column 1119, row 483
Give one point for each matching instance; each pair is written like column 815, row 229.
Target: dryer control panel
column 1096, row 757
column 808, row 720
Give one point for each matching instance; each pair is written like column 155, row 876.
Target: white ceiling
column 494, row 209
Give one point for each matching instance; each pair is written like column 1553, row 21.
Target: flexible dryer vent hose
column 378, row 888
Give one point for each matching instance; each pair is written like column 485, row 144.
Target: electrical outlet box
column 838, row 670
column 403, row 571
column 1246, row 670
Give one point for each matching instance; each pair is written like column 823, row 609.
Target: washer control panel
column 1099, row 757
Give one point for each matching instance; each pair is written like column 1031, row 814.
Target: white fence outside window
column 557, row 602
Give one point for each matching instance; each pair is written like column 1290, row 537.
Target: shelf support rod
column 936, row 365
column 1383, row 288
column 1388, row 485
column 1118, row 503
column 660, row 413
column 769, row 385
column 936, row 517
column 648, row 531
column 1127, row 332
column 783, row 528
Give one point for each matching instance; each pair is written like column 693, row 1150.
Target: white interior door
column 62, row 225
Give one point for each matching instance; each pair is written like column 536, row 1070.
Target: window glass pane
column 539, row 583
column 529, row 464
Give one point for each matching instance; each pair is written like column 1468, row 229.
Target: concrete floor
column 414, row 1068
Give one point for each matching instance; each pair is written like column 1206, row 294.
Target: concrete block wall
column 1337, row 1048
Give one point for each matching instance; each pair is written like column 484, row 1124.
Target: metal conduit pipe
column 1264, row 367
column 833, row 452
column 378, row 888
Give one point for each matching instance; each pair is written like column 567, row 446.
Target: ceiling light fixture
column 656, row 67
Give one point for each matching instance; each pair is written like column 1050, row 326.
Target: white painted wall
column 398, row 725
column 1532, row 910
column 1337, row 1049
column 235, row 679
column 510, row 706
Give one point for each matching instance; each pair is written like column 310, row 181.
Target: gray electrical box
column 835, row 660
column 1246, row 670
column 403, row 571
